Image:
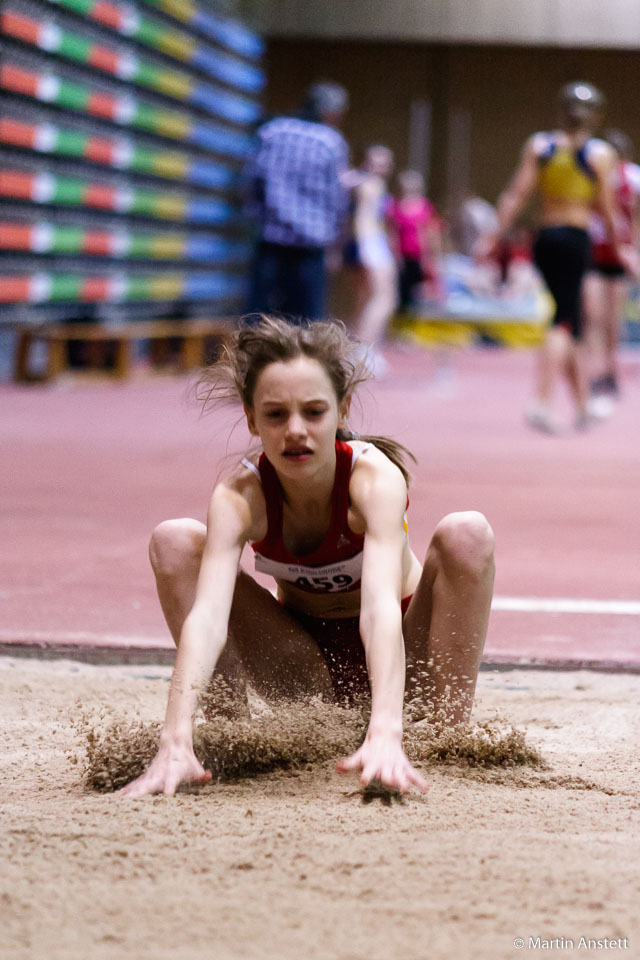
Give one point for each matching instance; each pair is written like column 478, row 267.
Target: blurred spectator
column 607, row 284
column 295, row 191
column 474, row 220
column 416, row 238
column 370, row 251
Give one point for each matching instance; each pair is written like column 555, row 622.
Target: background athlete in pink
column 416, row 237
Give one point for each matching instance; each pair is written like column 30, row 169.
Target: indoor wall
column 499, row 94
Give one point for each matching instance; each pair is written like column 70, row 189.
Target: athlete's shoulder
column 599, row 150
column 245, row 475
column 596, row 143
column 542, row 144
column 241, row 491
column 378, row 494
column 601, row 158
column 632, row 173
column 374, row 474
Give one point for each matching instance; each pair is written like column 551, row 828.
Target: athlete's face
column 296, row 414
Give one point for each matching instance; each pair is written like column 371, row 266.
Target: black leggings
column 562, row 255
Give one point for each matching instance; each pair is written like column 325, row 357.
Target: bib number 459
column 339, row 582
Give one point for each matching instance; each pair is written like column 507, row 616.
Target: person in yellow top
column 570, row 172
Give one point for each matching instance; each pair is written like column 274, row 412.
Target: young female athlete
column 325, row 514
column 570, row 171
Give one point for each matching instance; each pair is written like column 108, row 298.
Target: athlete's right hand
column 174, row 763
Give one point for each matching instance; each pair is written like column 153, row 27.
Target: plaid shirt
column 294, row 183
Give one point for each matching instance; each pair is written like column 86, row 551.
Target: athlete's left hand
column 382, row 758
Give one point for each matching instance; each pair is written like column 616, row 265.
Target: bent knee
column 464, row 541
column 176, row 544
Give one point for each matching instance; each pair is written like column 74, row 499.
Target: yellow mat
column 514, row 332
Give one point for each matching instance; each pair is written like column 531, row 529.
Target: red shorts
column 342, row 650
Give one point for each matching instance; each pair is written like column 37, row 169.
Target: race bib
column 330, row 578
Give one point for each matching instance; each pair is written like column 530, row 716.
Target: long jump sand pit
column 530, row 833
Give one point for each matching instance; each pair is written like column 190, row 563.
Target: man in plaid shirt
column 296, row 193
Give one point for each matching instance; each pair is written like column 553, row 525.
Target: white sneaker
column 600, row 406
column 540, row 419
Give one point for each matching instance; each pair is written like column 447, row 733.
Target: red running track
column 88, row 470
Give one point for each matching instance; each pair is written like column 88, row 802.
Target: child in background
column 370, row 253
column 416, row 238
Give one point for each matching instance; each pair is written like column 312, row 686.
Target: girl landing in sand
column 325, row 513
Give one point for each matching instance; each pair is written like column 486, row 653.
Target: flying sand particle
column 289, row 736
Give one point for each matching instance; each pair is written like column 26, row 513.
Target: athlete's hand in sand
column 382, row 758
column 174, row 763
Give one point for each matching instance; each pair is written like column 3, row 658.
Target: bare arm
column 432, row 241
column 379, row 493
column 633, row 173
column 380, row 615
column 522, row 186
column 635, row 223
column 202, row 640
column 367, row 196
column 431, row 247
column 393, row 235
column 603, row 161
column 204, row 633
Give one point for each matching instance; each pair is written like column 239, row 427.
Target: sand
column 298, row 864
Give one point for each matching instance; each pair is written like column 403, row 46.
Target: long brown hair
column 254, row 346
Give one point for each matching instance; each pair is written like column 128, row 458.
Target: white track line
column 86, row 637
column 566, row 605
column 508, row 604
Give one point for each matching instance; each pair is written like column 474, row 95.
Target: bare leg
column 382, row 301
column 575, row 373
column 266, row 644
column 617, row 291
column 446, row 623
column 595, row 312
column 552, row 362
column 362, row 293
column 175, row 552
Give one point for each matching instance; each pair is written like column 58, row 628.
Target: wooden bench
column 192, row 337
